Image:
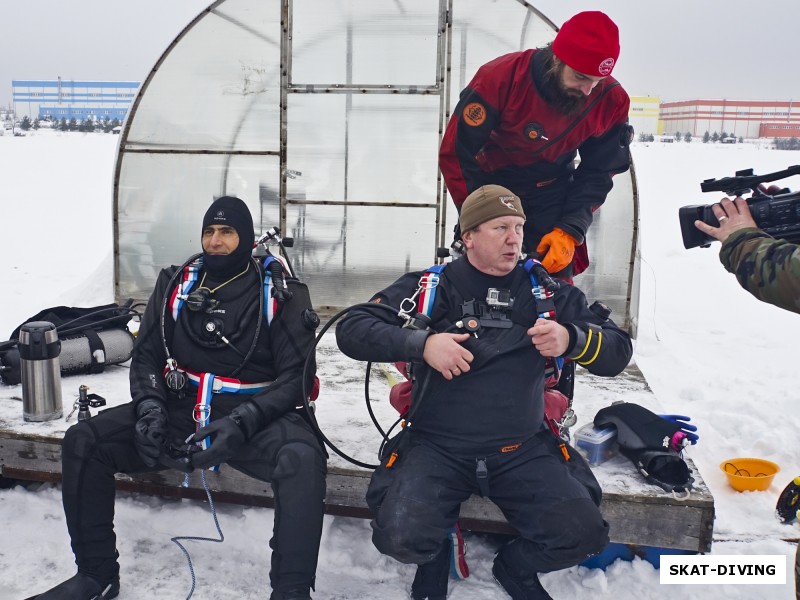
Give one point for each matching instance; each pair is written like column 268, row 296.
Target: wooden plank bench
column 639, row 513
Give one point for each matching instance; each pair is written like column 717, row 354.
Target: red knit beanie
column 589, row 43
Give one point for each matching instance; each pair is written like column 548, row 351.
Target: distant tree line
column 105, row 124
column 791, row 143
column 724, row 137
column 649, row 137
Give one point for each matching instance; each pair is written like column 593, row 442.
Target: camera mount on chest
column 495, row 311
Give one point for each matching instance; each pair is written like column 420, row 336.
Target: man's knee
column 574, row 530
column 299, row 458
column 407, row 534
column 400, row 543
column 568, row 533
column 78, row 442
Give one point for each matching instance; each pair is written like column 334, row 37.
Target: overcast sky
column 678, row 50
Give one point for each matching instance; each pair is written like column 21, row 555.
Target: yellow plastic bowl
column 749, row 474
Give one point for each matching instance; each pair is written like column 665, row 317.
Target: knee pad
column 78, row 441
column 398, row 534
column 400, row 544
column 294, row 458
column 575, row 528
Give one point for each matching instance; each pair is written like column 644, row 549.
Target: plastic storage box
column 596, row 445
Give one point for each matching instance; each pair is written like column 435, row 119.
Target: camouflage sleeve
column 766, row 267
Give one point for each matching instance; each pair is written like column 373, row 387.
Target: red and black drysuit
column 481, row 432
column 504, row 131
column 282, row 450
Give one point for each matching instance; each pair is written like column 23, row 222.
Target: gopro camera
column 499, row 298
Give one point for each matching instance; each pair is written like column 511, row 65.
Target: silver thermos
column 39, row 349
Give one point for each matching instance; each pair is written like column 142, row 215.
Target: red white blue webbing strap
column 226, row 385
column 202, row 409
column 190, row 273
column 428, row 284
column 209, row 384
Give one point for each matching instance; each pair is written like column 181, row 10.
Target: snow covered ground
column 707, row 348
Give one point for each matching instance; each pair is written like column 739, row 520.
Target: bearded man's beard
column 569, row 102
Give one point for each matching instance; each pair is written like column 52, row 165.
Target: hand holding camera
column 732, row 216
column 774, row 210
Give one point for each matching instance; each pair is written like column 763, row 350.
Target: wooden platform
column 639, row 513
column 645, row 518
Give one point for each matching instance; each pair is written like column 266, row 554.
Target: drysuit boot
column 430, row 581
column 81, row 587
column 300, row 593
column 519, row 588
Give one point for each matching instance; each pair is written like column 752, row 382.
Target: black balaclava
column 233, row 212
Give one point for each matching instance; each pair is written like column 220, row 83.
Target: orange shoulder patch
column 474, row 114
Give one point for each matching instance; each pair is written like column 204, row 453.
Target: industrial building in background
column 69, row 99
column 738, row 118
column 100, row 100
column 644, row 114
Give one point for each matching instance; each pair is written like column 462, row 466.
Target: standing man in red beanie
column 522, row 121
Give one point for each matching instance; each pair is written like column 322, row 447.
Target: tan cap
column 486, row 203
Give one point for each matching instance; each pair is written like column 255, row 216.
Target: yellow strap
column 599, row 343
column 586, row 347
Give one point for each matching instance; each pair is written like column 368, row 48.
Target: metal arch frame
column 442, row 87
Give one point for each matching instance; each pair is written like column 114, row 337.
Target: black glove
column 151, row 431
column 227, row 435
column 179, row 457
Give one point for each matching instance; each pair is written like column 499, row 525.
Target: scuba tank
column 90, row 339
column 77, row 356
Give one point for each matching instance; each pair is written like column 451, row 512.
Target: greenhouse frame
column 326, row 119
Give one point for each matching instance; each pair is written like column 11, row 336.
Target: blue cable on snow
column 177, row 539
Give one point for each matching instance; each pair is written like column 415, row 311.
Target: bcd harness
column 560, row 416
column 208, row 384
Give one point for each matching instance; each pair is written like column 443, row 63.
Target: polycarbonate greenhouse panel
column 326, row 119
column 611, row 242
column 347, row 253
column 161, row 207
column 483, row 31
column 366, row 42
column 218, row 88
column 374, row 148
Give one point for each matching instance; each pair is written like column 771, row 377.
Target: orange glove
column 557, row 249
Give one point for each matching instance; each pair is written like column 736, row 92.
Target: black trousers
column 286, row 453
column 552, row 503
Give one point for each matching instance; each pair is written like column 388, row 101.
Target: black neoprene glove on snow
column 227, row 435
column 151, row 431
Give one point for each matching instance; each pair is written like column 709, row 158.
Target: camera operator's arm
column 767, row 268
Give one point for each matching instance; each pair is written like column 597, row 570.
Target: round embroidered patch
column 474, row 114
column 605, row 67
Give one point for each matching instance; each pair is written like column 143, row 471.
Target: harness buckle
column 201, row 413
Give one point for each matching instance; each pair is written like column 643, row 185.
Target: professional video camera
column 776, row 210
